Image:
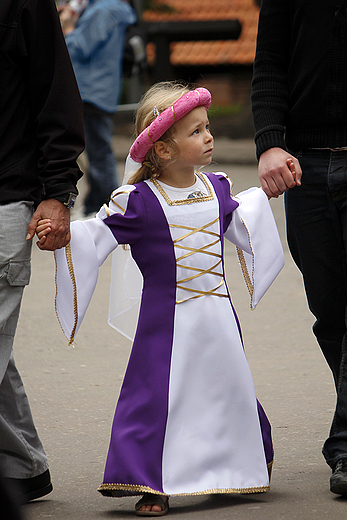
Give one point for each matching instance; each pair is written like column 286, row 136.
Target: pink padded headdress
column 192, row 99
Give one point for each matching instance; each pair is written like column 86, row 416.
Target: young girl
column 187, row 420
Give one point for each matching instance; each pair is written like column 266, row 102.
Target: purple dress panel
column 266, row 434
column 227, row 204
column 138, row 432
column 135, row 453
column 225, row 219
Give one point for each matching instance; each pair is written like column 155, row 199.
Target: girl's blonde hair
column 159, row 97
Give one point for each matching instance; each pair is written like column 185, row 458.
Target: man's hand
column 59, row 217
column 278, row 172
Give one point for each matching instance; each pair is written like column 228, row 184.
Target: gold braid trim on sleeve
column 249, row 278
column 74, row 285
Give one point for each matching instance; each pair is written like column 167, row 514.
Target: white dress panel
column 206, row 351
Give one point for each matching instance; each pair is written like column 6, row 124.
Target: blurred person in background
column 95, row 36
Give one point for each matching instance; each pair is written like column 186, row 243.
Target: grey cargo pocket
column 18, row 273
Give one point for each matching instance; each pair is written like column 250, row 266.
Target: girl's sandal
column 150, row 499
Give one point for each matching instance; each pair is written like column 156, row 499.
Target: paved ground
column 73, row 394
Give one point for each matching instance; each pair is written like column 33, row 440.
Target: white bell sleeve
column 254, row 232
column 125, row 293
column 77, row 267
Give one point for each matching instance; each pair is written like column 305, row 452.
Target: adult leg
column 102, row 175
column 335, row 446
column 316, row 241
column 22, row 456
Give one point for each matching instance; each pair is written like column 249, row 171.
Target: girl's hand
column 50, row 213
column 43, row 227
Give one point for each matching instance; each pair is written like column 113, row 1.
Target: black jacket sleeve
column 270, row 78
column 55, row 103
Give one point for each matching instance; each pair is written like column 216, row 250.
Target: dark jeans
column 317, row 236
column 102, row 178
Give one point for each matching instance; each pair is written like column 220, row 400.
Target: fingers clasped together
column 51, row 223
column 278, row 172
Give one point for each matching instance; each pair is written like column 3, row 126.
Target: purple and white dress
column 187, row 420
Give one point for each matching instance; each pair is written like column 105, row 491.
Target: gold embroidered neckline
column 180, row 202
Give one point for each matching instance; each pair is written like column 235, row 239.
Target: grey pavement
column 73, row 392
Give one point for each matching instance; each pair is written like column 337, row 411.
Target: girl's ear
column 162, row 150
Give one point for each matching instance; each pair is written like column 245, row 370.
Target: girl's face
column 195, row 142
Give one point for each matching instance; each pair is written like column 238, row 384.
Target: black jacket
column 299, row 92
column 41, row 115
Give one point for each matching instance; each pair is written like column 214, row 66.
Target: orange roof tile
column 238, row 52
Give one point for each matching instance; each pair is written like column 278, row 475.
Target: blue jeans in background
column 316, row 215
column 102, row 177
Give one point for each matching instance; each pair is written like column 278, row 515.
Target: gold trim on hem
column 146, row 489
column 269, row 469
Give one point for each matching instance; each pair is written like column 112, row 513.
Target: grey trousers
column 21, row 452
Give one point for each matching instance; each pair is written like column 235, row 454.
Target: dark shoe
column 28, row 489
column 338, row 480
column 10, row 508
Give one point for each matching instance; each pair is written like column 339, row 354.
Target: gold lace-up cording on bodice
column 200, row 271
